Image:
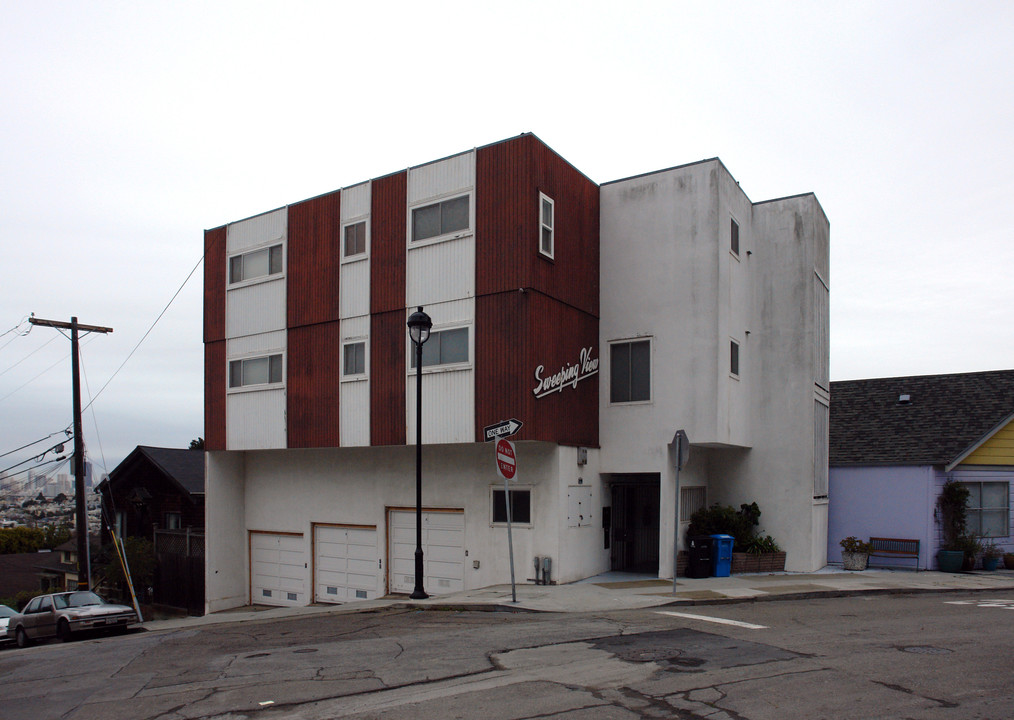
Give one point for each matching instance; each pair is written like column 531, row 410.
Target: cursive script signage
column 568, row 376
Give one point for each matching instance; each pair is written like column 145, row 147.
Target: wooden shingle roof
column 942, row 417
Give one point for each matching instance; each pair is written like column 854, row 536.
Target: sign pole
column 510, row 538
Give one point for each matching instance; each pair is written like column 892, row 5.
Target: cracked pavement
column 855, row 657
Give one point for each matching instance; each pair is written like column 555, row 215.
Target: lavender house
column 896, row 441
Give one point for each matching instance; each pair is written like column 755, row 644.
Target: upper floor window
column 354, row 358
column 444, row 347
column 355, row 239
column 734, row 357
column 440, row 218
column 630, row 371
column 547, row 223
column 734, row 237
column 173, row 521
column 259, row 263
column 255, row 371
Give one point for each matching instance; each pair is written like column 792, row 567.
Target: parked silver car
column 5, row 614
column 63, row 614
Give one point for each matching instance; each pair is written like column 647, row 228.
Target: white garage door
column 443, row 544
column 277, row 569
column 345, row 563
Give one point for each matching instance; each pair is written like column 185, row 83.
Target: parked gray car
column 5, row 614
column 63, row 614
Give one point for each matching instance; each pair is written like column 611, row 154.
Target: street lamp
column 419, row 325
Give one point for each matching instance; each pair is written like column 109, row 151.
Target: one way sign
column 505, row 428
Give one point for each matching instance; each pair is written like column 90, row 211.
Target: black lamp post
column 419, row 325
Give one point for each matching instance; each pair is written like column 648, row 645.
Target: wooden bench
column 895, row 548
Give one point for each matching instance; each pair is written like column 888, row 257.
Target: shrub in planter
column 952, row 513
column 855, row 553
column 726, row 520
column 990, row 556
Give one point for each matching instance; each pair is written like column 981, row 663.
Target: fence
column 179, row 572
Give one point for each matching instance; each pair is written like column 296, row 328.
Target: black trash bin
column 699, row 560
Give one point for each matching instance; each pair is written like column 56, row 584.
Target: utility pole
column 84, row 576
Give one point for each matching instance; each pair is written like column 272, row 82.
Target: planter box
column 854, row 560
column 754, row 563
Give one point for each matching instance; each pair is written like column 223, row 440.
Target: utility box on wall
column 579, row 506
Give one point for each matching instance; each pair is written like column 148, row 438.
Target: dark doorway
column 634, row 546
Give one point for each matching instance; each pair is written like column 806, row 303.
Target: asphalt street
column 940, row 655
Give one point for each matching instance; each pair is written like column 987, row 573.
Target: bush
column 725, row 520
column 20, row 599
column 852, row 544
column 762, row 544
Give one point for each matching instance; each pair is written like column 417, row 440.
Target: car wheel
column 63, row 631
column 22, row 639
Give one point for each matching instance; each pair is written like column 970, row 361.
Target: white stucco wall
column 226, row 578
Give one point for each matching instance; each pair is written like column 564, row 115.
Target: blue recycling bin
column 721, row 555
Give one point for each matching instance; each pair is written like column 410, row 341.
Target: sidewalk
column 620, row 591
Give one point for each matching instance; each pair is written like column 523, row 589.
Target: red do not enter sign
column 506, row 459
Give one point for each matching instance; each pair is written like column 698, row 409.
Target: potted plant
column 990, row 556
column 855, row 554
column 951, row 513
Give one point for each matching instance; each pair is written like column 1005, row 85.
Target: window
column 692, row 499
column 734, row 237
column 988, row 508
column 440, row 218
column 255, row 371
column 259, row 263
column 734, row 357
column 444, row 347
column 173, row 521
column 355, row 239
column 521, row 507
column 354, row 359
column 630, row 371
column 33, row 606
column 546, row 223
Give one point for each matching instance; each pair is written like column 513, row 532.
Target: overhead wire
column 16, row 328
column 35, row 442
column 3, row 372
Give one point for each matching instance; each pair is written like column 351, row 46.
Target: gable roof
column 183, row 467
column 944, row 417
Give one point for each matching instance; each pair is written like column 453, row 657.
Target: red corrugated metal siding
column 312, row 386
column 509, row 177
column 314, row 259
column 387, row 243
column 514, row 334
column 388, row 338
column 214, row 395
column 558, row 314
column 214, row 284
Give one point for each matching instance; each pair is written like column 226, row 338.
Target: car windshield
column 6, row 612
column 77, row 599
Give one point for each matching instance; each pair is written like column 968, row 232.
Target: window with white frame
column 440, row 218
column 630, row 371
column 444, row 347
column 547, row 223
column 354, row 239
column 988, row 508
column 521, row 506
column 255, row 264
column 354, row 359
column 266, row 370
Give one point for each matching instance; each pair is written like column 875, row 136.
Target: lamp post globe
column 419, row 324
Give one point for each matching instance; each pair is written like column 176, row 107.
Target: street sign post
column 507, row 468
column 504, row 428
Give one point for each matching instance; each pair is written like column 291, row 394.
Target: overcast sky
column 127, row 128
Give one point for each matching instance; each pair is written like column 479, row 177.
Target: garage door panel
column 277, row 569
column 443, row 551
column 346, row 563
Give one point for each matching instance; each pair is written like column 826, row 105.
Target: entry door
column 635, row 527
column 345, row 563
column 277, row 569
column 443, row 545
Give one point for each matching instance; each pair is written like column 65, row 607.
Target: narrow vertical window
column 354, row 361
column 734, row 237
column 547, row 224
column 734, row 357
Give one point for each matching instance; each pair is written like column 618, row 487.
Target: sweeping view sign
column 506, row 459
column 568, row 375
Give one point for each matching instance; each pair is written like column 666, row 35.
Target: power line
column 36, row 442
column 164, row 310
column 28, row 355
